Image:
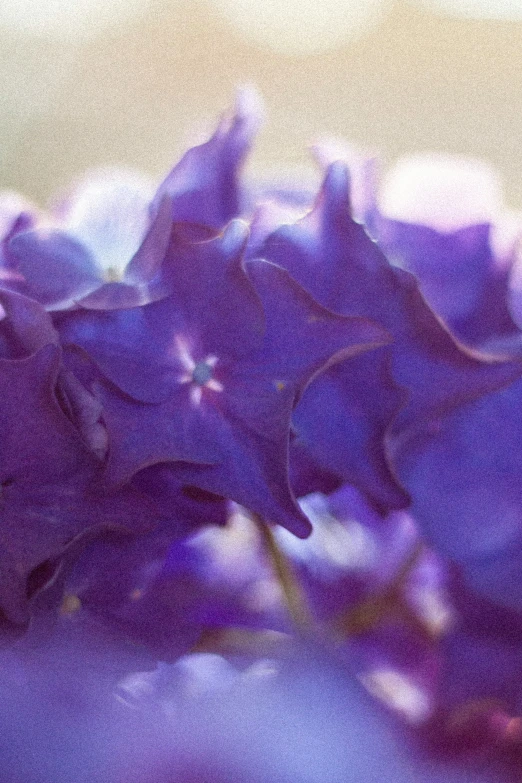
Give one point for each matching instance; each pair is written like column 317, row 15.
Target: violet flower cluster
column 261, row 512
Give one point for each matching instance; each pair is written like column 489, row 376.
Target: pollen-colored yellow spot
column 312, row 319
column 136, row 594
column 70, row 605
column 280, row 385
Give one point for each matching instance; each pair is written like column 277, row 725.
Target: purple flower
column 101, row 251
column 220, row 363
column 203, row 720
column 103, row 246
column 181, row 366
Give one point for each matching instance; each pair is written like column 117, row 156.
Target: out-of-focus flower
column 444, row 220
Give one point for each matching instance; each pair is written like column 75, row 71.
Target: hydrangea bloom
column 196, row 377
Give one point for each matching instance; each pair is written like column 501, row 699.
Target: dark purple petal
column 481, row 660
column 344, row 432
column 119, row 342
column 210, row 287
column 143, row 434
column 51, row 489
column 303, row 338
column 462, row 472
column 191, row 506
column 25, row 326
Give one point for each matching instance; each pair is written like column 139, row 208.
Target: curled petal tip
column 337, row 184
column 249, row 104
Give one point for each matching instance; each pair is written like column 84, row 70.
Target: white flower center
column 198, row 373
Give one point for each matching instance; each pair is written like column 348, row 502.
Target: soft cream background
column 135, row 94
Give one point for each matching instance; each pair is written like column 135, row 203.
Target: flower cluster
column 261, row 516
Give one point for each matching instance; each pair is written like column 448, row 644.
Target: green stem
column 293, row 594
column 371, row 612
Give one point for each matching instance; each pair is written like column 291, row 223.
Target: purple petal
column 342, row 268
column 25, row 326
column 458, row 274
column 57, row 268
column 109, row 215
column 344, row 432
column 203, row 185
column 462, row 472
column 51, row 488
